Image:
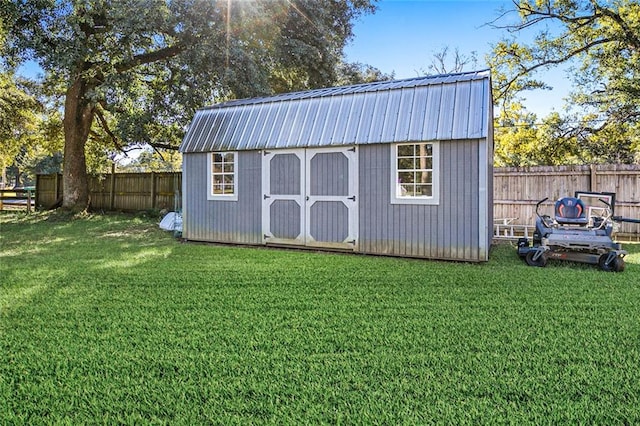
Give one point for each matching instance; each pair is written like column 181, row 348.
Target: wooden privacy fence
column 119, row 191
column 17, row 199
column 518, row 189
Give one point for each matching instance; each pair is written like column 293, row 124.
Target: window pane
column 228, row 157
column 228, row 179
column 217, row 158
column 217, row 168
column 405, row 150
column 424, row 177
column 228, row 189
column 405, row 177
column 406, row 190
column 228, row 167
column 425, row 163
column 406, row 164
column 424, row 190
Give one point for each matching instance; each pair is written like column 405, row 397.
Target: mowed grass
column 106, row 319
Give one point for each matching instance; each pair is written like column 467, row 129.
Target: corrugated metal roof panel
column 420, row 98
column 447, row 106
column 343, row 121
column 354, row 118
column 443, row 107
column 460, row 128
column 405, row 115
column 432, row 114
column 388, row 125
column 479, row 110
column 306, row 125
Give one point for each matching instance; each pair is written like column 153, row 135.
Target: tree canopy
column 600, row 41
column 134, row 71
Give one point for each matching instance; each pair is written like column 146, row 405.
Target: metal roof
column 443, row 107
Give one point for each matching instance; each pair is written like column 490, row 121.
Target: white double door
column 310, row 197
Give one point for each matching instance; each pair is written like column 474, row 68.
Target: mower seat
column 571, row 211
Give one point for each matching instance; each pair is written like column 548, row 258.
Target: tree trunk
column 78, row 117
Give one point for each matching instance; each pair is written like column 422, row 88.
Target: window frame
column 210, row 176
column 434, row 199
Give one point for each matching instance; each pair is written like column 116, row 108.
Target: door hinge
column 352, row 149
column 352, row 198
column 352, row 242
column 265, row 236
column 265, row 196
column 266, row 152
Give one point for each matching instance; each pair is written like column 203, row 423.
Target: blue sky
column 403, row 35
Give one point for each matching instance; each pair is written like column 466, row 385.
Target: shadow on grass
column 45, row 252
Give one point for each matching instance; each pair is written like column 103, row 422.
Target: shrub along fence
column 516, row 191
column 119, row 191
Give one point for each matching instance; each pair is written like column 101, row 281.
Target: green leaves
column 600, row 40
column 152, row 62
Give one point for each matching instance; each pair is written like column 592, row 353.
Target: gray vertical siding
column 222, row 221
column 449, row 230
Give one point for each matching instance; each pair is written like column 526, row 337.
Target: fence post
column 593, row 185
column 153, row 190
column 58, row 187
column 112, row 189
column 37, row 192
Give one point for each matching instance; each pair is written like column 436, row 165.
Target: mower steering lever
column 538, row 205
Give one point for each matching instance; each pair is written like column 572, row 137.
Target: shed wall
column 449, row 230
column 222, row 221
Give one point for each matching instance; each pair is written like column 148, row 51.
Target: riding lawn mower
column 580, row 231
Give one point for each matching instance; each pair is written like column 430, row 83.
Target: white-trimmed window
column 415, row 173
column 223, row 178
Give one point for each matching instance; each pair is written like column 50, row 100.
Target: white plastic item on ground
column 172, row 221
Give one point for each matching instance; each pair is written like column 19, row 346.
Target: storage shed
column 401, row 168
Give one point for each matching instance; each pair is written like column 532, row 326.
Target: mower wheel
column 616, row 265
column 539, row 262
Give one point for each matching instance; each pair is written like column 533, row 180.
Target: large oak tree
column 134, row 71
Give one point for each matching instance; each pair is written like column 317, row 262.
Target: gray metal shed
column 399, row 168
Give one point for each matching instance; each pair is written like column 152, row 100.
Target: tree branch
column 105, row 127
column 159, row 145
column 526, row 70
column 150, row 57
column 630, row 35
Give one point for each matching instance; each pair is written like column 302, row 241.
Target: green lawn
column 106, row 319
